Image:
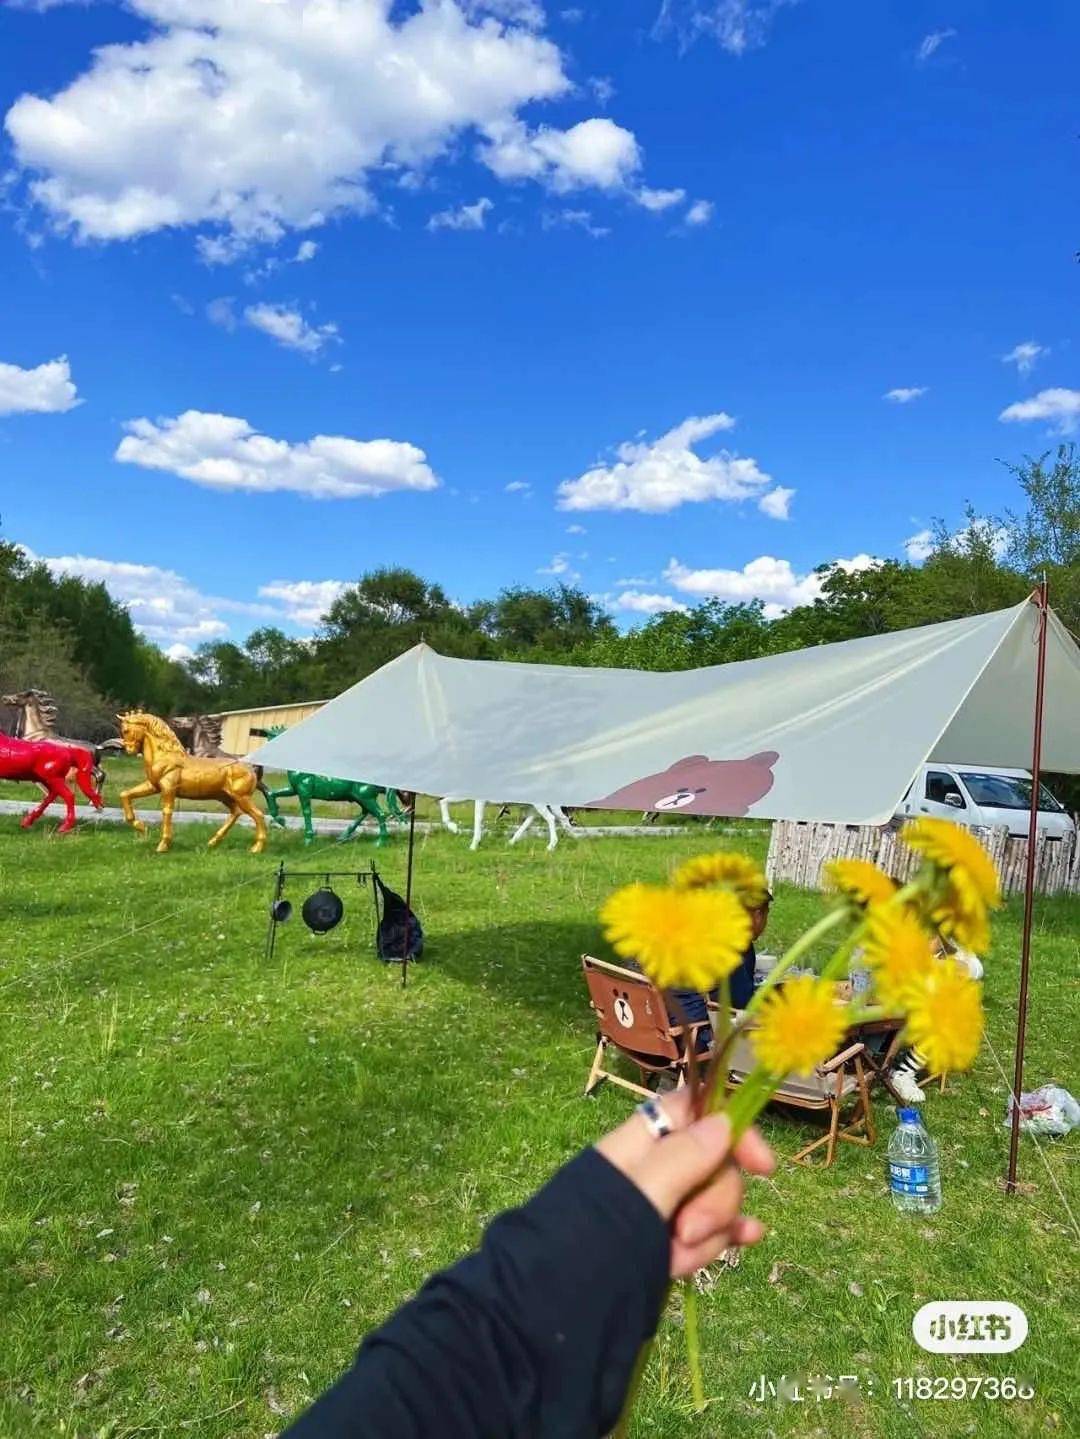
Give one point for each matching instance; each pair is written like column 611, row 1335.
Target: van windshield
column 1007, row 791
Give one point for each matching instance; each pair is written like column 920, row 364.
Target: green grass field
column 218, row 1173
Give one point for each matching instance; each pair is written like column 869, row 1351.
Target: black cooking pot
column 322, row 910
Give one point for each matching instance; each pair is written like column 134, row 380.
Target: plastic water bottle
column 914, row 1173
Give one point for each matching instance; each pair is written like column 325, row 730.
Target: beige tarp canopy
column 830, row 733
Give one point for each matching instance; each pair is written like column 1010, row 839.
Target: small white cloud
column 517, row 487
column 1024, row 355
column 306, row 250
column 289, row 328
column 642, row 602
column 699, row 213
column 47, row 389
column 773, row 581
column 1060, row 407
column 602, row 88
column 736, row 25
column 776, row 503
column 220, row 312
column 226, row 453
column 576, row 530
column 179, row 652
column 465, row 217
column 658, row 200
column 932, row 43
column 573, row 16
column 561, row 568
column 659, row 475
column 573, row 219
column 304, row 602
column 636, row 583
column 594, row 153
column 904, row 394
column 919, row 546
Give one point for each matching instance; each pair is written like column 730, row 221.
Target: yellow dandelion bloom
column 859, row 880
column 898, row 951
column 971, row 882
column 736, row 872
column 801, row 1025
column 683, row 939
column 945, row 1022
column 963, row 919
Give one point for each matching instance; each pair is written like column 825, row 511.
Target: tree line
column 69, row 636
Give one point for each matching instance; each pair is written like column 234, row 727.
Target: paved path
column 111, row 815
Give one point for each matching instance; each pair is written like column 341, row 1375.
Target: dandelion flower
column 683, row 939
column 859, row 880
column 945, row 1021
column 736, row 872
column 800, row 1026
column 898, row 951
column 971, row 883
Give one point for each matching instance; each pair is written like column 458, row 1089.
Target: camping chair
column 837, row 1084
column 631, row 1018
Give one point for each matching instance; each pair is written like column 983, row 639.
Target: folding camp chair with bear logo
column 632, row 1019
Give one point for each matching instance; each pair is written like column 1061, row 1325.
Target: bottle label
column 909, row 1178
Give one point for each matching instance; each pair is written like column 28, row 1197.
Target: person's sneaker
column 903, row 1081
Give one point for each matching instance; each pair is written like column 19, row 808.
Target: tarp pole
column 1040, row 599
column 408, row 890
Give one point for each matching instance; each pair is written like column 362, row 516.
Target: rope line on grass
column 72, row 959
column 1049, row 1168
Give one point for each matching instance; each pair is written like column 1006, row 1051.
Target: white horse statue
column 550, row 814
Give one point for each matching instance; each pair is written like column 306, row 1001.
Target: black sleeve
column 534, row 1335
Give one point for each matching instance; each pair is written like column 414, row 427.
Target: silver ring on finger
column 656, row 1120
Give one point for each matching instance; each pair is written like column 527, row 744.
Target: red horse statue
column 50, row 764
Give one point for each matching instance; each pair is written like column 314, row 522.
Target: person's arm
column 537, row 1333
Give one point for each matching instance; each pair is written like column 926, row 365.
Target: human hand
column 692, row 1177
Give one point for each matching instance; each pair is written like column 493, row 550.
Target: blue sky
column 657, row 267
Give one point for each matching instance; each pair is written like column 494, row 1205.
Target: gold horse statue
column 175, row 774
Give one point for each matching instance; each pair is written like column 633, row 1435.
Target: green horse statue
column 306, row 787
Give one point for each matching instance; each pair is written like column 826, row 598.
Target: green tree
column 1046, row 538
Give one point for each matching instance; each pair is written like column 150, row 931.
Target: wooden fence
column 798, row 850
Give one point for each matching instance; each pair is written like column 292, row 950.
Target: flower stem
column 797, row 950
column 693, row 1342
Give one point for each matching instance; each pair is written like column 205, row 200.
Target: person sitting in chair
column 687, row 1006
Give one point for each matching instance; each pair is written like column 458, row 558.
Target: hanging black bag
column 400, row 934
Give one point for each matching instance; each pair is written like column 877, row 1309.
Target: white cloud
column 561, row 567
column 736, row 25
column 904, row 394
column 573, row 219
column 304, row 602
column 1060, row 407
column 517, row 487
column 305, row 251
column 1024, row 355
column 465, row 217
column 642, row 602
column 699, row 213
column 220, row 312
column 932, row 43
column 602, row 88
column 257, row 118
column 658, row 200
column 771, row 580
column 776, row 503
column 48, row 389
column 634, row 583
column 594, row 153
column 573, row 16
column 224, row 452
column 919, row 546
column 659, row 475
column 289, row 328
column 164, row 606
column 576, row 530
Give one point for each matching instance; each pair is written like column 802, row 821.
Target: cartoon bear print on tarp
column 699, row 785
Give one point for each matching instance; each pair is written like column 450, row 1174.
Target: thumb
column 681, row 1162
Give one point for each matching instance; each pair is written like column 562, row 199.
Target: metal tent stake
column 1040, row 599
column 408, row 892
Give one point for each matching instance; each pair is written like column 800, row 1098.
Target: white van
column 984, row 794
